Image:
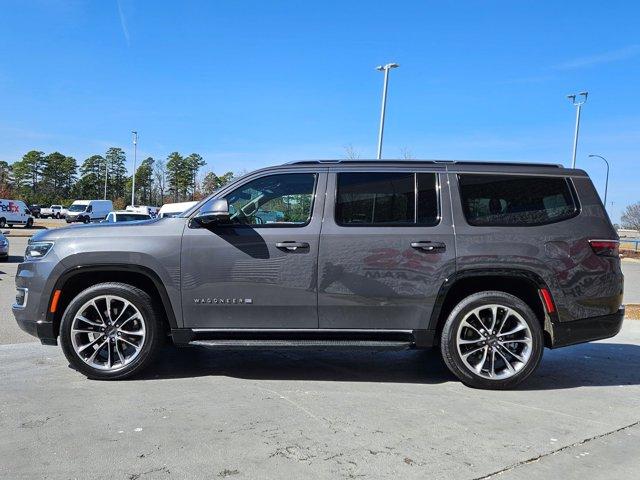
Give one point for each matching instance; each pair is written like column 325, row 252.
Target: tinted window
column 386, row 199
column 131, row 217
column 274, row 200
column 503, row 200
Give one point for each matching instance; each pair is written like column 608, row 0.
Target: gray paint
column 350, row 277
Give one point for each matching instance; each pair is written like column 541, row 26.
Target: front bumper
column 41, row 329
column 586, row 329
column 32, row 314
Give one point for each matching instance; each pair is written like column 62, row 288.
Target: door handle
column 429, row 247
column 292, row 246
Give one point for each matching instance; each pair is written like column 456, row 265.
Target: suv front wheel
column 110, row 331
column 492, row 340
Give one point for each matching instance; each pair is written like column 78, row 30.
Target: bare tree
column 351, row 153
column 160, row 177
column 405, row 153
column 631, row 217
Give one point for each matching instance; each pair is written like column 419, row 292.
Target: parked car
column 360, row 254
column 87, row 211
column 15, row 212
column 4, row 245
column 149, row 210
column 174, row 209
column 126, row 216
column 54, row 211
column 35, row 210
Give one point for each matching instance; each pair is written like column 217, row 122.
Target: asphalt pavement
column 210, row 414
column 631, row 270
column 9, row 331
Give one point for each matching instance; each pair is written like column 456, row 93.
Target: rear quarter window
column 516, row 200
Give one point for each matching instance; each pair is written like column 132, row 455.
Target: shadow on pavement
column 587, row 365
column 595, row 364
column 423, row 366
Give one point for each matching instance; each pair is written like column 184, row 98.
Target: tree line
column 55, row 178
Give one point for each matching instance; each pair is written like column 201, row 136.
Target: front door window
column 277, row 200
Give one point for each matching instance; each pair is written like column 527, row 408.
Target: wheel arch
column 523, row 284
column 76, row 279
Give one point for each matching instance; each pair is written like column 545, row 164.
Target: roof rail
column 451, row 162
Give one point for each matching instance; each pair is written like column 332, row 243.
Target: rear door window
column 515, row 200
column 387, row 199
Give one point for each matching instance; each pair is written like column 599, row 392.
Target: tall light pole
column 578, row 104
column 606, row 182
column 106, row 174
column 385, row 69
column 135, row 157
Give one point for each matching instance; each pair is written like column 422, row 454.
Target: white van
column 14, row 212
column 174, row 209
column 86, row 211
column 149, row 210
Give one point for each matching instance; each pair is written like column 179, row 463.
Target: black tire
column 29, row 223
column 154, row 331
column 451, row 353
column 86, row 220
column 58, row 216
column 3, row 222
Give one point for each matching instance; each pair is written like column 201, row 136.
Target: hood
column 115, row 230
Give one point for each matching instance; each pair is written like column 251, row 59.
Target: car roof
column 453, row 166
column 129, row 212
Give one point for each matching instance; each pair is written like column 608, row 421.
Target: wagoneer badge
column 225, row 301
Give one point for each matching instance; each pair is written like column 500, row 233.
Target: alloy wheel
column 108, row 332
column 494, row 341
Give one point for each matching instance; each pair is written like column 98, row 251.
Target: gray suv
column 491, row 262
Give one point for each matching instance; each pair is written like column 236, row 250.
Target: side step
column 242, row 344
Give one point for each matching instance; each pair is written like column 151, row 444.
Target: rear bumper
column 586, row 329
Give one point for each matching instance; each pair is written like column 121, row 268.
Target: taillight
column 605, row 248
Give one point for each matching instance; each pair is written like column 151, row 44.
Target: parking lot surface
column 212, row 414
column 631, row 270
column 287, row 414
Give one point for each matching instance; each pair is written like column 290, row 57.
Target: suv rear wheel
column 492, row 340
column 111, row 331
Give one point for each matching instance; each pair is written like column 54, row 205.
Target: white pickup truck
column 54, row 211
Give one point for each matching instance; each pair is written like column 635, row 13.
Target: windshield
column 77, row 208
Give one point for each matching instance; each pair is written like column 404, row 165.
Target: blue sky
column 249, row 84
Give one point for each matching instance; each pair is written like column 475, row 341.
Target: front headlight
column 37, row 250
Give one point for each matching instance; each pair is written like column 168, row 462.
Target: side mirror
column 218, row 213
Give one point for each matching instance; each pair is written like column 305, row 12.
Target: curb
column 632, row 311
column 22, row 234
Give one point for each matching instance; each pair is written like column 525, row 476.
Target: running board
column 242, row 344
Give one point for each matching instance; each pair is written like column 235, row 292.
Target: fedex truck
column 14, row 212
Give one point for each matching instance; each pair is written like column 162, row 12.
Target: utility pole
column 106, row 174
column 606, row 183
column 578, row 104
column 135, row 157
column 385, row 69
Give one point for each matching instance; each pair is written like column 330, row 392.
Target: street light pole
column 135, row 157
column 106, row 174
column 384, row 69
column 578, row 104
column 606, row 183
